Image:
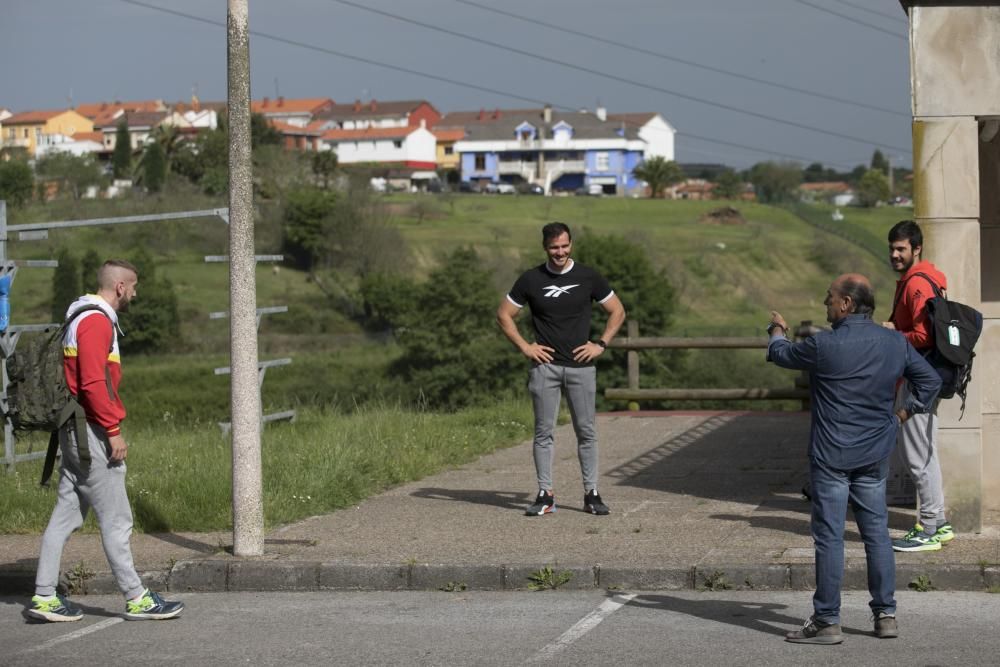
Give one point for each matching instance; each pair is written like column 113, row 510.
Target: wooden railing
column 634, row 343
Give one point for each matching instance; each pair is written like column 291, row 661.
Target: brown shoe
column 816, row 632
column 885, row 626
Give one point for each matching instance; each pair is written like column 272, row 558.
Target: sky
column 855, row 51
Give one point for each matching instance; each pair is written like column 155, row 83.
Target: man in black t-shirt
column 559, row 294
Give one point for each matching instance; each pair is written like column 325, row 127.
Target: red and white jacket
column 93, row 365
column 910, row 313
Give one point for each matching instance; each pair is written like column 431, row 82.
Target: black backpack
column 955, row 328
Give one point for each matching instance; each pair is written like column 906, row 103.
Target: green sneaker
column 55, row 610
column 152, row 607
column 944, row 533
column 917, row 541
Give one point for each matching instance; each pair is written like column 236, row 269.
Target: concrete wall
column 955, row 73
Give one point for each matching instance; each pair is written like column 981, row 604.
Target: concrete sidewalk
column 698, row 500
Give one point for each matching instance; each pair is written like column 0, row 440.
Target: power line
column 852, row 19
column 682, row 61
column 454, row 82
column 892, row 17
column 620, row 79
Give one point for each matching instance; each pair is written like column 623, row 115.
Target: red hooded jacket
column 909, row 312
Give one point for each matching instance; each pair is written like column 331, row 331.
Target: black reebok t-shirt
column 560, row 306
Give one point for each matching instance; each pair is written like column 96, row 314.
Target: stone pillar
column 987, row 365
column 946, row 205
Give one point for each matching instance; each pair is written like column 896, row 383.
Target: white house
column 412, row 147
column 80, row 144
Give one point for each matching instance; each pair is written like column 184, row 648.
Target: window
column 449, row 150
column 602, row 162
column 25, row 133
column 397, row 143
column 480, row 161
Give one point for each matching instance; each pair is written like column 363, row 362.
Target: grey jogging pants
column 101, row 487
column 547, row 383
column 917, row 440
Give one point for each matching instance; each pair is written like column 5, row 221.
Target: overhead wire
column 852, row 19
column 455, row 82
column 621, row 79
column 682, row 61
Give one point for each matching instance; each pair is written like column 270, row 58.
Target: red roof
column 448, row 134
column 32, row 117
column 89, row 136
column 826, row 186
column 311, row 105
column 288, row 128
column 369, row 133
column 96, row 109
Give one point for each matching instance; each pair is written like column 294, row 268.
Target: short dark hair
column 907, row 230
column 555, row 230
column 862, row 296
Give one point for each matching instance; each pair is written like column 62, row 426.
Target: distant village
column 410, row 145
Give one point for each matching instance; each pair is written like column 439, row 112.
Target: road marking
column 582, row 627
column 107, row 623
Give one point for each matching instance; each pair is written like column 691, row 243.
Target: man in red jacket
column 92, row 365
column 918, row 436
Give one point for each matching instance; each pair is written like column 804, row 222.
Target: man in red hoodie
column 918, row 436
column 92, row 465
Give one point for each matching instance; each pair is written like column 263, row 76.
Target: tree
column 74, row 174
column 121, row 158
column 17, row 183
column 65, row 284
column 89, row 266
column 880, row 162
column 306, row 212
column 659, row 173
column 873, row 188
column 775, row 182
column 152, row 320
column 728, row 185
column 152, row 168
column 262, row 133
column 324, row 165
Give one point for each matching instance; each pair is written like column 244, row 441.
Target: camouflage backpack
column 37, row 396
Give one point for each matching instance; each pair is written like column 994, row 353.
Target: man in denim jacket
column 853, row 373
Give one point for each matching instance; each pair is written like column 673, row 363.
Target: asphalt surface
column 505, row 628
column 698, row 500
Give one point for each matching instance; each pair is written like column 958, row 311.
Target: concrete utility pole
column 248, row 507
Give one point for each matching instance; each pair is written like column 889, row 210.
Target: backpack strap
column 938, row 292
column 50, row 458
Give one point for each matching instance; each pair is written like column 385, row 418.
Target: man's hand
column 889, row 325
column 903, row 415
column 540, row 354
column 119, row 448
column 587, row 352
column 778, row 320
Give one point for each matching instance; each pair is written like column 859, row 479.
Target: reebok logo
column 555, row 291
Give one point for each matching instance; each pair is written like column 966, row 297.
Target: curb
column 263, row 575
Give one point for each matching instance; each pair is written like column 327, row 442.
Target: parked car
column 468, row 186
column 531, row 189
column 491, row 188
column 506, row 189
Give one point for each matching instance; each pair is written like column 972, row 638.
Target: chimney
column 373, row 105
column 357, row 106
column 281, row 101
column 423, row 123
column 547, row 113
column 601, row 113
column 264, row 105
column 482, row 114
column 496, row 113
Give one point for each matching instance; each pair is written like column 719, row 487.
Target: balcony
column 519, row 167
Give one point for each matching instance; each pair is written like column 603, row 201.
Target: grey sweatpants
column 546, row 384
column 101, row 487
column 917, row 441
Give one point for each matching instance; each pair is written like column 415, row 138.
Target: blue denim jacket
column 853, row 374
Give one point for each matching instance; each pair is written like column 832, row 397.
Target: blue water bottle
column 4, row 302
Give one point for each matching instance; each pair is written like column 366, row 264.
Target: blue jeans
column 865, row 487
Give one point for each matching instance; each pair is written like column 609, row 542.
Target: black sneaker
column 545, row 503
column 592, row 503
column 816, row 632
column 56, row 609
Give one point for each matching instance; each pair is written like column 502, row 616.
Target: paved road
column 486, row 628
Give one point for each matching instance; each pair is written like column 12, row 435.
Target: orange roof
column 89, row 136
column 826, row 186
column 32, row 117
column 449, row 134
column 288, row 128
column 281, row 105
column 369, row 133
column 95, row 109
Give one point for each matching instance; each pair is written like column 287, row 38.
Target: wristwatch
column 774, row 325
column 601, row 343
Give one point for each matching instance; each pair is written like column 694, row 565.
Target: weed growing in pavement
column 716, row 581
column 547, row 579
column 77, row 578
column 453, row 587
column 922, row 584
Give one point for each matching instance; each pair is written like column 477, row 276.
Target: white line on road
column 582, row 627
column 107, row 623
